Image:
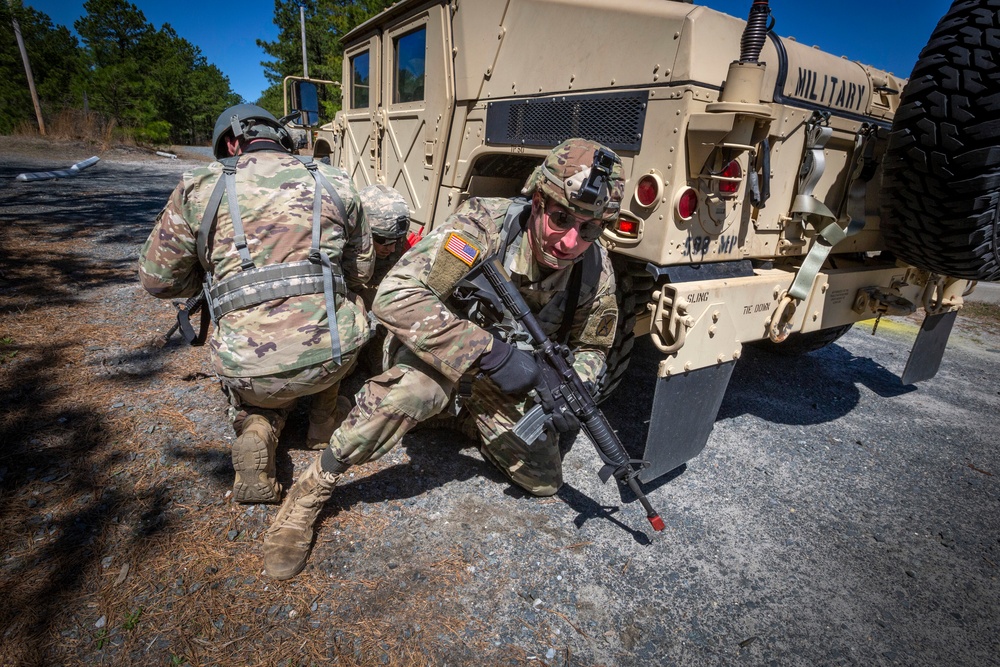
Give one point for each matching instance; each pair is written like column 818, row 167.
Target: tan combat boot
column 253, row 460
column 288, row 540
column 325, row 416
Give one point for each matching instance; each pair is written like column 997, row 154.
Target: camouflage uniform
column 389, row 218
column 435, row 347
column 267, row 355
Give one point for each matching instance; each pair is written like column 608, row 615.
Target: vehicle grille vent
column 613, row 119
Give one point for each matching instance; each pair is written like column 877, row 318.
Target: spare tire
column 941, row 182
column 799, row 343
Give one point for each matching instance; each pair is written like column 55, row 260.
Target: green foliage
column 155, row 133
column 5, row 354
column 272, row 99
column 327, row 21
column 154, row 84
column 132, row 619
column 56, row 61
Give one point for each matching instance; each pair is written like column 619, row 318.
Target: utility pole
column 302, row 22
column 27, row 68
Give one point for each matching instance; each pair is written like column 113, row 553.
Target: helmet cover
column 583, row 176
column 386, row 210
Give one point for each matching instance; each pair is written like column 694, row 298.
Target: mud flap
column 684, row 411
column 928, row 349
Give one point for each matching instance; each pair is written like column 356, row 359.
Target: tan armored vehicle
column 761, row 204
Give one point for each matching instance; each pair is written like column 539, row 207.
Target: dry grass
column 78, row 125
column 108, row 519
column 985, row 312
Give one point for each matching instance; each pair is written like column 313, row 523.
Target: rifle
column 184, row 312
column 488, row 289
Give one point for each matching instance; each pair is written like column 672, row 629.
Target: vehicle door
column 361, row 118
column 417, row 97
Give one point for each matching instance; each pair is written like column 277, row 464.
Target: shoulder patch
column 602, row 324
column 454, row 257
column 461, row 248
column 606, row 326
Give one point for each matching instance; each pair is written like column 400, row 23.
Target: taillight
column 627, row 227
column 687, row 204
column 648, row 190
column 730, row 178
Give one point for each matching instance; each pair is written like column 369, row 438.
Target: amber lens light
column 733, row 171
column 647, row 190
column 687, row 204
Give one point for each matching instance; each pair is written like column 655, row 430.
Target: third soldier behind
column 547, row 245
column 389, row 219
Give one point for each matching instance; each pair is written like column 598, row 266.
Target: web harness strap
column 254, row 285
column 585, row 272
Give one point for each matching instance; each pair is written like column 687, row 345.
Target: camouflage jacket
column 275, row 193
column 382, row 266
column 412, row 299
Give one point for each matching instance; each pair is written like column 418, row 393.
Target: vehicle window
column 359, row 81
column 409, row 61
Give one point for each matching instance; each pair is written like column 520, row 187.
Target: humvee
column 775, row 194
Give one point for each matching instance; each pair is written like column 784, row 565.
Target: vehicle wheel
column 634, row 289
column 800, row 343
column 941, row 182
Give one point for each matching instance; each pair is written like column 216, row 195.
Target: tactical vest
column 587, row 271
column 254, row 285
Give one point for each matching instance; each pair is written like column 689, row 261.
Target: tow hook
column 673, row 326
column 879, row 301
column 882, row 302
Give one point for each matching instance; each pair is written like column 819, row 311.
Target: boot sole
column 250, row 463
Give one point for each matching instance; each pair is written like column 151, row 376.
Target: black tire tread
column 942, row 167
column 633, row 290
column 800, row 343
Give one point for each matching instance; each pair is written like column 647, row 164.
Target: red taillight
column 732, row 176
column 647, row 190
column 626, row 227
column 687, row 203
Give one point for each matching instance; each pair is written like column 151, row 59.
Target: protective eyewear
column 590, row 228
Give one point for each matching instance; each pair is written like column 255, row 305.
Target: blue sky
column 888, row 35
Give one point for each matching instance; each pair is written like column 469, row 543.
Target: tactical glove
column 561, row 417
column 513, row 371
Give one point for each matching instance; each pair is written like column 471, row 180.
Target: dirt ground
column 835, row 518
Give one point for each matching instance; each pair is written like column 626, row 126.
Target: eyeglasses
column 382, row 240
column 563, row 220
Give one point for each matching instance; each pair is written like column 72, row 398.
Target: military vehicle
column 775, row 194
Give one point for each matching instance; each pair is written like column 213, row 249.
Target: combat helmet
column 250, row 121
column 583, row 175
column 386, row 210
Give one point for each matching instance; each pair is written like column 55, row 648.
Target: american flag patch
column 458, row 247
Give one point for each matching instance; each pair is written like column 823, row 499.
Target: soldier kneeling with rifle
column 528, row 343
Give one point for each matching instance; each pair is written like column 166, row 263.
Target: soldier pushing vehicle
column 547, row 244
column 276, row 244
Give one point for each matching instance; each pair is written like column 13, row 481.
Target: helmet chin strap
column 535, row 238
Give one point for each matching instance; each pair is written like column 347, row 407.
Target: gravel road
column 835, row 517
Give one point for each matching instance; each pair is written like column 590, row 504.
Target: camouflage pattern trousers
column 411, row 391
column 274, row 396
